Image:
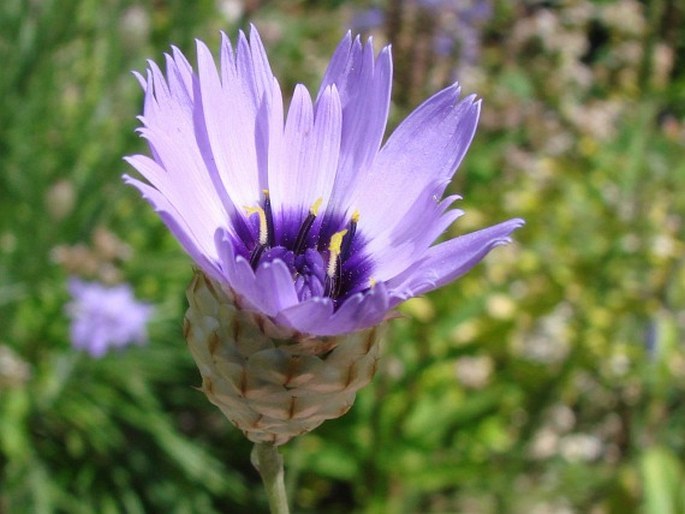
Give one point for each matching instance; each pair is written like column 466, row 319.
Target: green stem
column 269, row 463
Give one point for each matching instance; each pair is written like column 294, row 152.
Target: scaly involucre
column 303, row 218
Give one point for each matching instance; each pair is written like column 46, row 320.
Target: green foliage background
column 549, row 380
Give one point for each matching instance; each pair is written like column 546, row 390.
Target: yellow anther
column 334, row 251
column 263, row 228
column 372, row 282
column 355, row 216
column 336, row 241
column 314, row 209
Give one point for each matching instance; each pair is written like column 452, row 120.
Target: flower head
column 105, row 317
column 303, row 216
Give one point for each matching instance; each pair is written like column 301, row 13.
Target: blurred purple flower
column 443, row 44
column 367, row 19
column 431, row 4
column 105, row 317
column 459, row 25
column 304, row 217
column 468, row 10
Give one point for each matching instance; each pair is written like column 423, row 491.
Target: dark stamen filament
column 269, row 219
column 347, row 240
column 256, row 255
column 302, row 234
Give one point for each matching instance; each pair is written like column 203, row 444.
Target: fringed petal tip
column 450, row 260
column 516, row 223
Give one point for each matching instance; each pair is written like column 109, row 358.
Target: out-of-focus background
column 550, row 380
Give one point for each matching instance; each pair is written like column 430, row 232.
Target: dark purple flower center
column 323, row 253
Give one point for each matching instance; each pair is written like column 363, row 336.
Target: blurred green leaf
column 663, row 482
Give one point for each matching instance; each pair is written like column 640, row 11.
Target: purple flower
column 304, row 217
column 105, row 317
column 367, row 19
column 459, row 24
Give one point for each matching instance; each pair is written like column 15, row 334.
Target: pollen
column 314, row 209
column 334, row 251
column 263, row 226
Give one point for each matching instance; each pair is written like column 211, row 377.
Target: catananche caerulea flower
column 304, row 216
column 307, row 232
column 105, row 317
